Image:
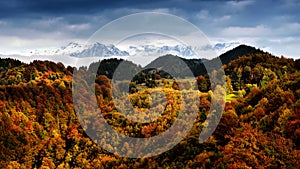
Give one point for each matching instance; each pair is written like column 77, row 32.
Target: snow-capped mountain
column 100, row 50
column 221, row 48
column 183, row 51
column 72, row 47
column 79, row 50
column 97, row 49
column 76, row 54
column 180, row 50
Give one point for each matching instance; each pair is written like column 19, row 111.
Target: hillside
column 260, row 126
column 241, row 50
column 107, row 66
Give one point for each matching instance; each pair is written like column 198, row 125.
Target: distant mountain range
column 97, row 49
column 77, row 55
column 179, row 50
column 196, row 66
column 79, row 50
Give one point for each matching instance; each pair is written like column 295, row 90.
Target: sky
column 273, row 26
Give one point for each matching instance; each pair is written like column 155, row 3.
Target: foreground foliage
column 260, row 126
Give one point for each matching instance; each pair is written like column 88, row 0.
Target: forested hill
column 108, row 66
column 241, row 50
column 259, row 128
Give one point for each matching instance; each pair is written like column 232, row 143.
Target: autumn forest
column 259, row 127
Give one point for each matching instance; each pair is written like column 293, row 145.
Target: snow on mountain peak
column 100, row 50
column 179, row 50
column 78, row 50
column 97, row 49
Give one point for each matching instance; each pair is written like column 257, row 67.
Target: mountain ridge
column 196, row 66
column 98, row 49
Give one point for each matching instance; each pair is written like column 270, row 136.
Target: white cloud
column 290, row 3
column 285, row 48
column 211, row 18
column 78, row 27
column 49, row 21
column 281, row 30
column 162, row 10
column 293, row 26
column 236, row 31
column 277, row 46
column 120, row 12
column 284, row 40
column 222, row 19
column 203, row 14
column 2, row 23
column 239, row 5
column 23, row 46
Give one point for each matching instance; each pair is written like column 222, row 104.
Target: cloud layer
column 272, row 25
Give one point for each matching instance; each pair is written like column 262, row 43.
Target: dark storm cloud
column 269, row 21
column 27, row 8
column 59, row 7
column 247, row 12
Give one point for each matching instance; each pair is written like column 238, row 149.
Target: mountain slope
column 241, row 50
